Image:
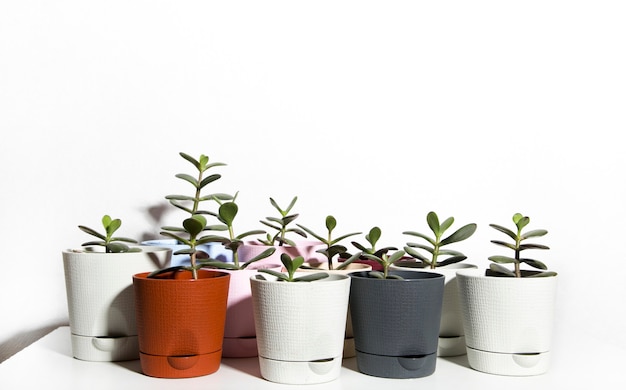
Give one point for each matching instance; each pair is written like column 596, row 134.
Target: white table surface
column 48, row 363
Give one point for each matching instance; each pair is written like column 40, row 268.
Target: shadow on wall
column 156, row 213
column 23, row 340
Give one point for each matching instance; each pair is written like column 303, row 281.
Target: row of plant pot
column 420, row 295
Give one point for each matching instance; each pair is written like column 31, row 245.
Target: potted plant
column 435, row 255
column 300, row 319
column 508, row 314
column 99, row 291
column 192, row 205
column 395, row 318
column 181, row 310
column 240, row 334
column 330, row 247
column 280, row 238
column 372, row 238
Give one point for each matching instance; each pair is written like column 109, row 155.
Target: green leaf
column 112, row 225
column 502, row 259
column 500, row 269
column 228, row 212
column 420, row 246
column 191, row 160
column 425, row 237
column 462, row 234
column 348, row 261
column 278, row 275
column 209, row 179
column 91, row 232
column 534, row 263
column 340, row 238
column 250, row 233
column 310, row 277
column 504, row 230
column 188, row 178
column 433, row 223
column 309, row 231
column 396, row 256
column 542, row 274
column 502, row 243
column 445, row 225
column 534, row 233
column 532, row 246
column 415, row 254
column 451, row 260
column 520, row 221
column 266, row 253
column 194, row 225
column 373, row 236
column 331, row 223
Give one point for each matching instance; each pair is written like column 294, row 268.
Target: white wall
column 375, row 112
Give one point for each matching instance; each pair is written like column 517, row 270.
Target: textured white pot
column 300, row 328
column 508, row 322
column 101, row 302
column 451, row 333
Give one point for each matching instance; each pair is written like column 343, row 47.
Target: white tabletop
column 49, row 362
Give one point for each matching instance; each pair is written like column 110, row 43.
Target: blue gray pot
column 396, row 323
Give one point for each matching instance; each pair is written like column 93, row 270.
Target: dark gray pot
column 396, row 323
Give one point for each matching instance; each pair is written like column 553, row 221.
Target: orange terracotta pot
column 180, row 322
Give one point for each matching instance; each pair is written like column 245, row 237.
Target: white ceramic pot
column 451, row 333
column 300, row 328
column 101, row 302
column 508, row 322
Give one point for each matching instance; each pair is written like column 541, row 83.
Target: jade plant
column 384, row 256
column 372, row 238
column 291, row 266
column 226, row 215
column 110, row 243
column 196, row 223
column 281, row 225
column 438, row 255
column 518, row 245
column 333, row 248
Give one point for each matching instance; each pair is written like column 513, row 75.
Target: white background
column 373, row 111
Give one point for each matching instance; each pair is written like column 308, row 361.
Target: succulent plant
column 110, row 243
column 280, row 224
column 292, row 265
column 226, row 215
column 332, row 244
column 518, row 246
column 435, row 244
column 190, row 233
column 385, row 260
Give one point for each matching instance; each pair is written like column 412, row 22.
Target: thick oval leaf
column 532, row 246
column 502, row 259
column 209, row 179
column 373, row 236
column 331, row 223
column 193, row 225
column 534, row 263
column 500, row 269
column 191, row 160
column 504, row 230
column 266, row 253
column 112, row 226
column 341, row 238
column 417, row 234
column 92, row 232
column 433, row 223
column 446, row 224
column 415, row 254
column 188, row 178
column 420, row 246
column 228, row 212
column 309, row 231
column 451, row 260
column 534, row 233
column 310, row 277
column 462, row 234
column 502, row 243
